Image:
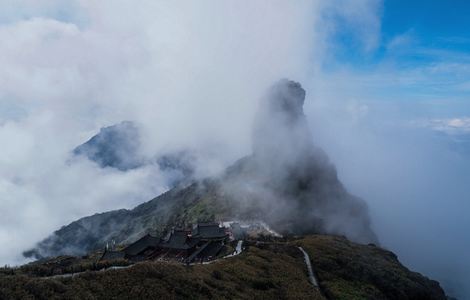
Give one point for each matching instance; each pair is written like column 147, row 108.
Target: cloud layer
column 190, row 74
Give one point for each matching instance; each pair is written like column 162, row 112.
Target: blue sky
column 414, row 86
column 421, row 60
column 441, row 24
column 438, row 25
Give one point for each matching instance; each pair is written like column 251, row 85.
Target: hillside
column 272, row 269
column 178, row 206
column 348, row 270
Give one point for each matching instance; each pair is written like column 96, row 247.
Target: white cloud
column 452, row 126
column 361, row 18
column 401, row 41
column 189, row 73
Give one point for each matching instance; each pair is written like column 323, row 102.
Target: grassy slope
column 352, row 271
column 273, row 269
column 270, row 272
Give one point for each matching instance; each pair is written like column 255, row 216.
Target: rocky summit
column 289, row 179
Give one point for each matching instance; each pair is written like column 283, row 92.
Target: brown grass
column 268, row 272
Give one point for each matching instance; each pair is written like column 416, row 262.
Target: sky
column 388, row 86
column 409, row 95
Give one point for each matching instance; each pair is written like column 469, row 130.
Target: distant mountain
column 116, row 146
column 119, row 146
column 287, row 182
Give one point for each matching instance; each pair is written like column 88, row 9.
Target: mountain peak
column 287, row 182
column 115, row 146
column 287, row 97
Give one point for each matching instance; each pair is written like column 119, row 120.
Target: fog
column 191, row 74
column 413, row 174
column 288, row 181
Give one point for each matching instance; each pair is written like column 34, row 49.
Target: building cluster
column 202, row 242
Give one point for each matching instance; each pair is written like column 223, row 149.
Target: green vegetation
column 268, row 272
column 269, row 268
column 63, row 265
column 348, row 270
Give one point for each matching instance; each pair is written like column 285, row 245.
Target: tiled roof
column 113, row 255
column 180, row 240
column 141, row 245
column 209, row 231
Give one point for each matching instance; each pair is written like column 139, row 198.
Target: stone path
column 311, row 275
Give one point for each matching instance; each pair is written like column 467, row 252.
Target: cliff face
column 289, row 179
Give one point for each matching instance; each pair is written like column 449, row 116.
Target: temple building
column 203, row 242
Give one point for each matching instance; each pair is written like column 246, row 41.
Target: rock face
column 290, row 180
column 116, row 146
column 287, row 182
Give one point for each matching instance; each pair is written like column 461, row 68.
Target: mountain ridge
column 287, row 182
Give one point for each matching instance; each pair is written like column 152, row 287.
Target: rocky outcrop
column 289, row 179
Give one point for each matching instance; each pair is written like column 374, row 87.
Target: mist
column 191, row 76
column 413, row 174
column 288, row 181
column 70, row 70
